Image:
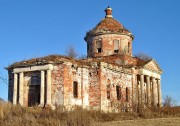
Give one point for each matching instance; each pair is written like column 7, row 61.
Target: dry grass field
column 24, row 116
column 144, row 122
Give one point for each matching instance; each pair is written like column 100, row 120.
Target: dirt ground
column 144, row 122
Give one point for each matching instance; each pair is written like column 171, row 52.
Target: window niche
column 127, row 94
column 99, row 46
column 118, row 92
column 116, row 46
column 75, row 89
column 129, row 46
column 88, row 47
column 108, row 89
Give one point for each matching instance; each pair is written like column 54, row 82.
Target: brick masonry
column 106, row 80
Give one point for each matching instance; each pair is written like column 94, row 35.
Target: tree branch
column 3, row 79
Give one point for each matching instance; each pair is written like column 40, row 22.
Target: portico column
column 21, row 85
column 42, row 89
column 48, row 87
column 138, row 92
column 134, row 88
column 15, row 89
column 154, row 92
column 148, row 91
column 159, row 93
column 142, row 89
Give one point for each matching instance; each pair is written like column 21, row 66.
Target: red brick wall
column 94, row 87
column 108, row 45
column 116, row 78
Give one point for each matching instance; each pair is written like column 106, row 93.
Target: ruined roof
column 124, row 61
column 42, row 60
column 120, row 60
column 108, row 26
column 116, row 59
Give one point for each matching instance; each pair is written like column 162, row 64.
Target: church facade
column 109, row 79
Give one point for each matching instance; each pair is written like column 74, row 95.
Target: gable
column 152, row 65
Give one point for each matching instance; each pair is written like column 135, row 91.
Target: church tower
column 109, row 37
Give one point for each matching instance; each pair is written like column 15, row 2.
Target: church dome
column 108, row 26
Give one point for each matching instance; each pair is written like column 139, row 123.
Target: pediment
column 153, row 66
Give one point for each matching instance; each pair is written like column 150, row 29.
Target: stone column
column 21, row 85
column 48, row 98
column 15, row 89
column 42, row 89
column 138, row 91
column 154, row 90
column 134, row 96
column 159, row 93
column 148, row 91
column 142, row 89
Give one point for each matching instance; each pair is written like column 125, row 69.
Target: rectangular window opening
column 99, row 46
column 118, row 92
column 75, row 89
column 99, row 50
column 88, row 47
column 116, row 51
column 127, row 94
column 108, row 91
column 129, row 47
column 116, row 46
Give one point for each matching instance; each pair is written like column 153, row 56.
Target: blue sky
column 34, row 28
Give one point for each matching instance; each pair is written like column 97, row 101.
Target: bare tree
column 82, row 56
column 71, row 52
column 169, row 101
column 3, row 79
column 143, row 56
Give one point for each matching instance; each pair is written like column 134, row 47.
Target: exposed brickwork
column 108, row 45
column 94, row 86
column 110, row 79
column 58, row 85
column 115, row 78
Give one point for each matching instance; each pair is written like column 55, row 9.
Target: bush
column 168, row 101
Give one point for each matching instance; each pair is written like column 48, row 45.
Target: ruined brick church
column 109, row 79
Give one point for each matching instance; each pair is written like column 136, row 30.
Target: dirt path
column 145, row 122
